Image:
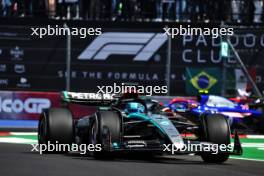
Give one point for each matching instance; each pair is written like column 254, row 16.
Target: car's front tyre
column 215, row 129
column 105, row 129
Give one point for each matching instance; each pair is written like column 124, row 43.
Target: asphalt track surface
column 18, row 160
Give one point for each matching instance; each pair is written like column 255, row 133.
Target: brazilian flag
column 208, row 79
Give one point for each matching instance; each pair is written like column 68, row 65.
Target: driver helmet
column 134, row 107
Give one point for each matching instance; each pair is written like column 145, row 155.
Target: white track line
column 35, row 133
column 17, row 140
column 24, row 133
column 255, row 137
column 247, row 159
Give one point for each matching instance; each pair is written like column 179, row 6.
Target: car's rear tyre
column 105, row 130
column 56, row 127
column 215, row 129
column 260, row 124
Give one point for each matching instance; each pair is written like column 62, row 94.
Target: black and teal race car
column 128, row 123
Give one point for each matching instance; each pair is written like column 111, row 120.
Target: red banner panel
column 29, row 105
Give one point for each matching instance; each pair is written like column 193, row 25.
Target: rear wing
column 91, row 99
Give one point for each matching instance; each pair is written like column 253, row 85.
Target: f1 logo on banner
column 143, row 45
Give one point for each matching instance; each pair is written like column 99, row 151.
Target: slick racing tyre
column 56, row 127
column 215, row 129
column 105, row 129
column 260, row 124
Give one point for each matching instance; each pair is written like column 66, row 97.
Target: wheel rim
column 42, row 131
column 94, row 134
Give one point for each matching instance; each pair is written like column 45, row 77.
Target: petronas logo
column 203, row 81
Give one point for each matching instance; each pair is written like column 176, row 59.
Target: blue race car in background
column 238, row 114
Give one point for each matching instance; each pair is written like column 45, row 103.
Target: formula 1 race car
column 238, row 115
column 125, row 124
